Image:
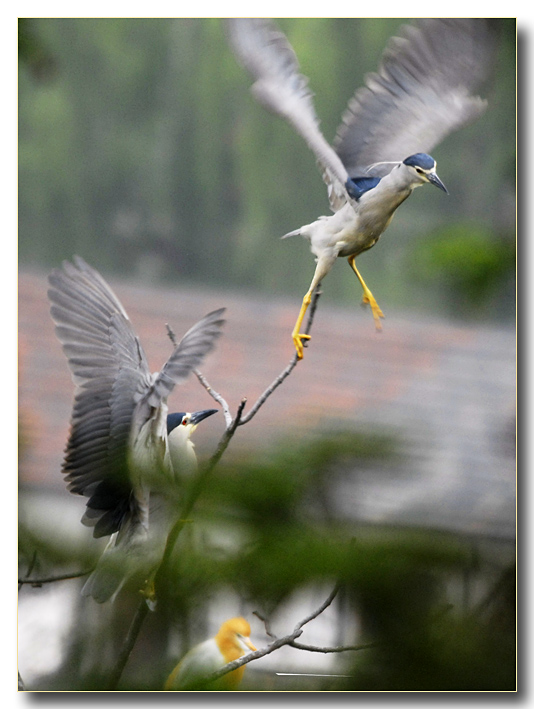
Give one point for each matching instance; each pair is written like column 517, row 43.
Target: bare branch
column 274, row 385
column 171, row 334
column 52, row 579
column 286, row 640
column 290, row 367
column 266, row 623
column 127, row 647
column 215, row 395
column 338, row 648
column 267, row 393
column 321, row 608
column 278, row 642
column 30, row 569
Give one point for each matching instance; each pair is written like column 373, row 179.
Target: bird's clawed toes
column 376, row 310
column 299, row 344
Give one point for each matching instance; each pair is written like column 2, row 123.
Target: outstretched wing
column 267, row 55
column 149, row 424
column 421, row 93
column 109, row 369
column 197, row 342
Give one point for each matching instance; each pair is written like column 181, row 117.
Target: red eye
column 184, row 422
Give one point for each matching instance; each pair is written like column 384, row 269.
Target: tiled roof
column 447, row 389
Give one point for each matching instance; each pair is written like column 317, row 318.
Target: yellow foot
column 149, row 592
column 368, row 299
column 299, row 345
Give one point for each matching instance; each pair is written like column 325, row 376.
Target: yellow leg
column 368, row 297
column 297, row 336
column 324, row 264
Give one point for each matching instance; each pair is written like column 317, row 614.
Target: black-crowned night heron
column 420, row 94
column 231, row 642
column 123, row 445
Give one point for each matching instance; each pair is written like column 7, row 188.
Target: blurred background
column 142, row 150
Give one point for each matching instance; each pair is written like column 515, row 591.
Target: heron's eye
column 184, row 422
column 418, row 169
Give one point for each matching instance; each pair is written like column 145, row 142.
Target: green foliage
column 470, row 261
column 427, row 647
column 260, row 534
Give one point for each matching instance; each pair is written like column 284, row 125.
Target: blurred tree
column 259, row 536
column 469, row 268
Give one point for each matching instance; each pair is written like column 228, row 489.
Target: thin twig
column 30, row 569
column 53, row 579
column 338, row 648
column 277, row 643
column 128, row 645
column 321, row 608
column 275, row 384
column 171, row 334
column 290, row 367
column 266, row 623
column 215, row 395
column 231, row 666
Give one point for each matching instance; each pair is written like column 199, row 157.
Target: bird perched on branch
column 123, row 445
column 231, row 642
column 420, row 94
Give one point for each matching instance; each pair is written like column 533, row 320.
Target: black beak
column 434, row 179
column 199, row 416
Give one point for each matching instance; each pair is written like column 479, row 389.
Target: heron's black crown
column 422, row 160
column 174, row 420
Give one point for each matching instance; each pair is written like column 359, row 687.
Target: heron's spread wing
column 267, row 55
column 420, row 94
column 109, row 367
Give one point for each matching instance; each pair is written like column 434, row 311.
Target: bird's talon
column 300, row 342
column 376, row 310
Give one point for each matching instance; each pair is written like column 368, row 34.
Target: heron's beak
column 434, row 179
column 249, row 644
column 199, row 416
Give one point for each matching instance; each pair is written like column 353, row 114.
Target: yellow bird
column 231, row 642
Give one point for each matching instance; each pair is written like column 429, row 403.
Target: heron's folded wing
column 421, row 93
column 109, row 369
column 267, row 55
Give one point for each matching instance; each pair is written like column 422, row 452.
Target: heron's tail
column 124, row 558
column 109, row 575
column 297, row 232
column 104, row 583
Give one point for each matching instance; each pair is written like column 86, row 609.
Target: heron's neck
column 182, row 452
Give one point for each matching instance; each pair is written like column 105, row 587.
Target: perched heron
column 231, row 642
column 420, row 94
column 123, row 446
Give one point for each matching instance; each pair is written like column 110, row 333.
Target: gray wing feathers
column 267, row 55
column 420, row 94
column 187, row 355
column 109, row 368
